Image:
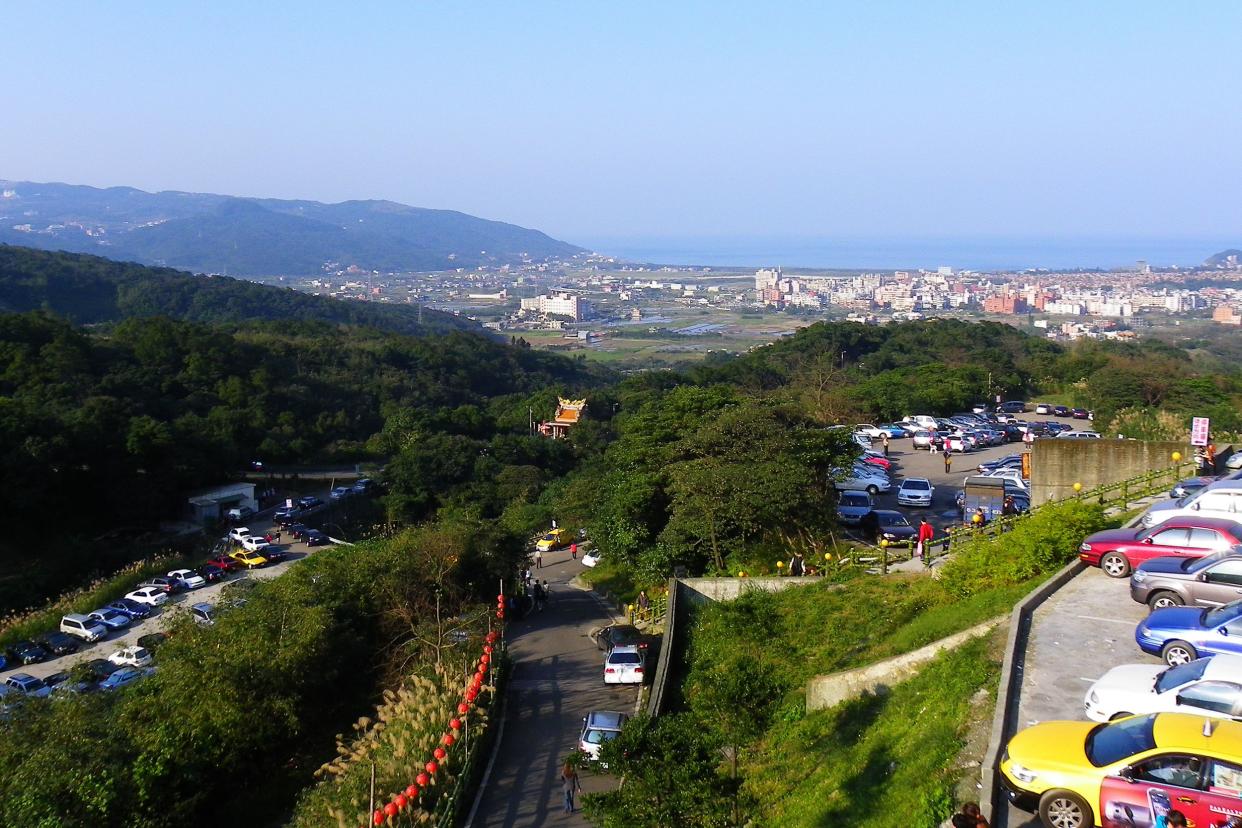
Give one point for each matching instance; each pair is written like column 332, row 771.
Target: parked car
column 624, row 665
column 110, row 618
column 239, row 513
column 869, row 430
column 28, row 652
column 852, row 480
column 923, row 439
column 621, row 635
column 1055, row 429
column 238, row 532
column 363, row 485
column 223, row 562
column 1234, row 461
column 1222, row 499
column 28, row 685
column 298, row 530
column 1043, row 408
column 255, row 543
column 188, row 578
column 124, row 677
column 877, row 460
column 893, row 430
column 1080, row 414
column 151, row 596
column 58, row 643
column 287, row 515
column 1081, row 774
column 62, row 684
column 591, row 557
column 341, row 492
column 1181, row 634
column 1206, row 686
column 1189, row 486
column 915, row 491
column 152, row 641
column 131, row 608
column 1061, row 410
column 598, row 728
column 211, row 573
column 853, row 505
column 170, row 585
column 275, row 554
column 98, row 669
column 204, row 614
column 1009, row 461
column 1011, row 407
column 1078, row 435
column 1203, row 582
column 554, row 539
column 316, row 538
column 309, row 503
column 888, row 525
column 131, row 657
column 1118, row 551
column 248, row 559
column 86, row 629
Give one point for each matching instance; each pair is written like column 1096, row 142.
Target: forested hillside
column 89, row 289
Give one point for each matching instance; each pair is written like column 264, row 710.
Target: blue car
column 1182, row 634
column 131, row 608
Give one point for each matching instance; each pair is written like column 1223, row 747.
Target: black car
column 621, row 635
column 1057, row 428
column 310, row 502
column 886, row 524
column 58, row 643
column 99, row 668
column 211, row 573
column 274, row 553
column 298, row 530
column 288, row 518
column 1061, row 410
column 1011, row 407
column 1080, row 414
column 28, row 652
column 152, row 641
column 170, row 585
column 132, row 608
column 316, row 538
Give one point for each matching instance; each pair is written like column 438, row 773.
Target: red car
column 882, row 462
column 1118, row 551
column 224, row 562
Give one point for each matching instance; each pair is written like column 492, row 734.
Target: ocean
column 881, row 254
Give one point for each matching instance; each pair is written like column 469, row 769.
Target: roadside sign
column 289, row 502
column 1199, row 430
column 1026, row 465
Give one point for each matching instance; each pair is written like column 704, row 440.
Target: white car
column 915, row 491
column 188, row 578
column 1078, row 435
column 591, row 557
column 624, row 665
column 151, row 596
column 1044, row 408
column 597, row 728
column 1206, row 687
column 870, row 430
column 924, row 439
column 1221, row 499
column 1235, row 461
column 958, row 444
column 131, row 657
column 237, row 533
column 254, row 543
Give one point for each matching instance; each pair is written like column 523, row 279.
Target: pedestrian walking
column 570, row 785
column 573, row 551
column 884, row 439
column 948, row 457
column 547, row 593
column 538, row 558
column 979, row 519
column 538, row 594
column 926, row 533
column 644, row 603
column 526, row 577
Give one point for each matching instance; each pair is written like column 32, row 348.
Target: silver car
column 853, row 506
column 1210, row 581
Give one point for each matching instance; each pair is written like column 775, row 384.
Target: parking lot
column 181, row 602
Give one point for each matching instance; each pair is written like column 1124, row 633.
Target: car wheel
column 1062, row 809
column 1115, row 565
column 1163, row 599
column 873, row 489
column 1178, row 652
column 1117, row 716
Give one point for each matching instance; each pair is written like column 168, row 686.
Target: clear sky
column 654, row 120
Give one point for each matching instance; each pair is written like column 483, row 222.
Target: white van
column 924, row 421
column 1222, row 499
column 79, row 626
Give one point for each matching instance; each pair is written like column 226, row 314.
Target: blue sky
column 636, row 120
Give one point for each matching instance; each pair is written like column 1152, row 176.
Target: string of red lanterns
column 409, row 797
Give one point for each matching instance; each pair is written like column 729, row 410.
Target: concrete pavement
column 557, row 680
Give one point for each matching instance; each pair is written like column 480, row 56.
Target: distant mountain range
column 254, row 237
column 89, row 290
column 1221, row 257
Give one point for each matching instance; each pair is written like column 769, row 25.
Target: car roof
column 1202, row 522
column 606, row 719
column 886, row 512
column 1185, row 731
column 1224, row 667
column 1228, row 485
column 202, row 606
column 625, row 648
column 915, row 480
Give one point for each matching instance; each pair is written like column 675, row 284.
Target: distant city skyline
column 630, row 126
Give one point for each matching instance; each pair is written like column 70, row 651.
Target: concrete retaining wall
column 830, row 690
column 702, row 590
column 1056, row 465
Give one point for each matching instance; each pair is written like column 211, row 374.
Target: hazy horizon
column 791, row 120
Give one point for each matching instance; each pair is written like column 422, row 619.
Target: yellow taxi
column 248, row 559
column 555, row 539
column 1127, row 772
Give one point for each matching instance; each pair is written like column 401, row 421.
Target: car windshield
column 917, row 484
column 598, row 737
column 624, row 658
column 894, row 519
column 1110, row 743
column 855, row 500
column 1218, row 616
column 1182, row 673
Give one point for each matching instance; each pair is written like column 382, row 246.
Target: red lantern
column 411, row 793
column 472, row 694
column 487, row 648
column 500, row 614
column 448, row 739
column 432, row 767
column 455, row 724
column 500, row 597
column 491, row 637
column 439, row 753
column 422, row 780
column 378, row 817
column 400, row 801
column 391, row 809
column 463, row 708
column 485, row 658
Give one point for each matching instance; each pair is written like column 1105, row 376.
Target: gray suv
column 1202, row 582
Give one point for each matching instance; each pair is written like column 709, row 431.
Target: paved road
column 557, row 680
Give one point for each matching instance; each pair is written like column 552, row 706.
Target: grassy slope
column 874, row 761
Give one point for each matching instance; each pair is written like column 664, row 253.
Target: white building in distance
column 558, row 303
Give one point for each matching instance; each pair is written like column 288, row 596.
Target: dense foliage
column 89, row 290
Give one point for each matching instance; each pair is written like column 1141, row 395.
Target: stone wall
column 1056, row 465
column 700, row 590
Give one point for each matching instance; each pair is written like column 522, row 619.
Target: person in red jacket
column 926, row 533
